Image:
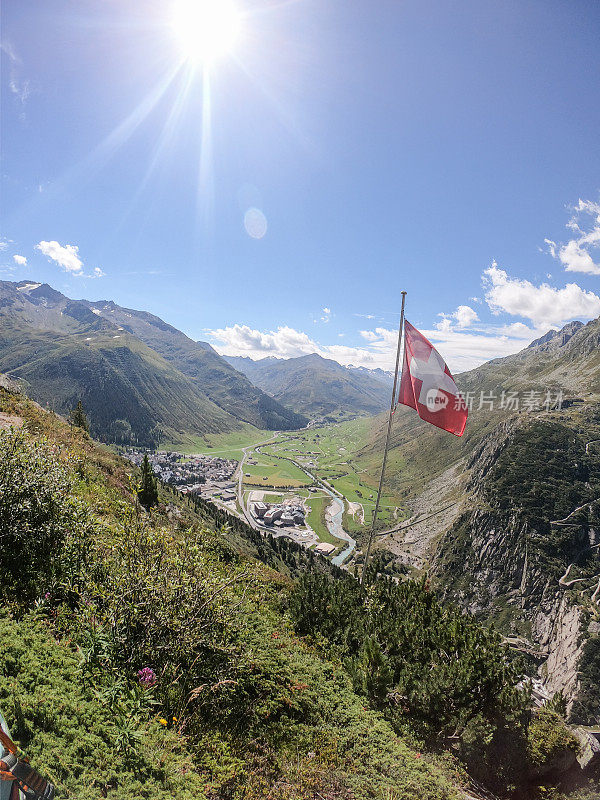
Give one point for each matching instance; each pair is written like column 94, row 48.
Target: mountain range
column 318, row 387
column 139, row 378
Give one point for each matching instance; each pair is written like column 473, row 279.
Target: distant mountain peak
column 555, row 339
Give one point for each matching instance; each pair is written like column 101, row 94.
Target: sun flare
column 206, row 29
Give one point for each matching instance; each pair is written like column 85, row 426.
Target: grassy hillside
column 139, row 383
column 240, row 706
column 217, row 379
column 156, row 654
column 123, row 385
column 567, row 365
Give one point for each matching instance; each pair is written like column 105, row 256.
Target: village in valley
column 214, row 479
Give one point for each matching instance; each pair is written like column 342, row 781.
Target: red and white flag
column 427, row 384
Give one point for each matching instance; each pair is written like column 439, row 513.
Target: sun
column 206, row 29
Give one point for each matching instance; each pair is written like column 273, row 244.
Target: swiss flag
column 428, row 386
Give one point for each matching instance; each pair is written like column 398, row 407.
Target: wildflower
column 163, row 722
column 146, row 677
column 47, row 596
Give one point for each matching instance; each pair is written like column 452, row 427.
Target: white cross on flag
column 428, row 386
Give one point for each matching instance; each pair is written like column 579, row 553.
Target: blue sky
column 445, row 148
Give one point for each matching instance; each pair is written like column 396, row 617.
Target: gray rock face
column 553, row 340
column 558, row 630
column 505, row 563
column 589, row 753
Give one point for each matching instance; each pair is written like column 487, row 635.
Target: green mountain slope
column 317, row 386
column 68, row 351
column 127, row 389
column 156, row 655
column 238, row 705
column 567, row 363
column 215, row 377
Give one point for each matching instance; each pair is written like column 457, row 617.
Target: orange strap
column 8, row 743
column 5, row 776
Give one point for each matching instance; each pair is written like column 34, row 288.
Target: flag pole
column 387, row 441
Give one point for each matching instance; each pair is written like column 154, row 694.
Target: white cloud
column 326, row 310
column 285, row 342
column 576, row 255
column 20, row 260
column 326, row 314
column 545, row 305
column 462, row 350
column 19, row 87
column 445, row 324
column 464, row 316
column 66, row 257
column 370, row 336
column 518, row 330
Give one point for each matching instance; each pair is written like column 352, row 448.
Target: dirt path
column 10, row 421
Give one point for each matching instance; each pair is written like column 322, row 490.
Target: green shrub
column 425, row 665
column 158, row 601
column 548, row 738
column 43, row 528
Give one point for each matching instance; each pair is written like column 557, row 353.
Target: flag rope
column 387, row 441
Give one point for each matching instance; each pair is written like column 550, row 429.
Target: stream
column 334, row 526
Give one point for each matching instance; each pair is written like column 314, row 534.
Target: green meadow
column 270, row 471
column 341, row 455
column 222, row 445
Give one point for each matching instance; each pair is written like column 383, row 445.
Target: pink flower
column 146, row 677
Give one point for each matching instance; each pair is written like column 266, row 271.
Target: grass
column 278, row 472
column 222, row 445
column 316, row 519
column 70, row 693
column 337, row 451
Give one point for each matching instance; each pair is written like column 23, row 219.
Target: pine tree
column 79, row 418
column 148, row 491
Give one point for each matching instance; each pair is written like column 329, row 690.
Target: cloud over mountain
column 545, row 305
column 67, row 256
column 576, row 254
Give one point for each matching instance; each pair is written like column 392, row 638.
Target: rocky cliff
column 524, row 550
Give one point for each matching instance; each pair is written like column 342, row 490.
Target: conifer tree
column 148, row 491
column 79, row 417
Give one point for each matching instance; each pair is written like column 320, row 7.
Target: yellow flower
column 174, row 719
column 162, row 721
